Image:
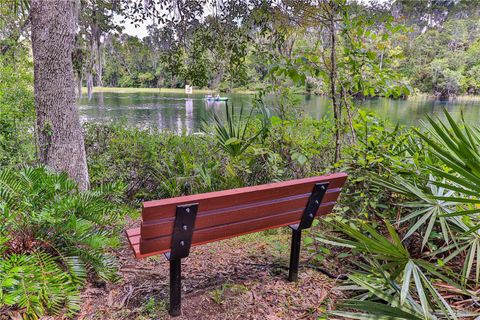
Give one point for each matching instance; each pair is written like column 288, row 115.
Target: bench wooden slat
column 231, row 213
column 133, row 236
column 133, row 232
column 157, row 228
column 162, row 244
column 154, row 210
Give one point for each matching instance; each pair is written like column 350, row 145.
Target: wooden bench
column 172, row 226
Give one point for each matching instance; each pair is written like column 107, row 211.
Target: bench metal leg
column 295, row 254
column 175, row 287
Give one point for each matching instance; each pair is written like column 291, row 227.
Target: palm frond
column 52, row 237
column 235, row 134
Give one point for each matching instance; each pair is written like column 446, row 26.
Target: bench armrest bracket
column 314, row 202
column 182, row 231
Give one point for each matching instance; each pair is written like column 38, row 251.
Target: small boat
column 216, row 98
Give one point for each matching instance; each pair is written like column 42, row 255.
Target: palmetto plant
column 379, row 298
column 430, row 210
column 235, row 134
column 445, row 202
column 457, row 145
column 52, row 236
column 392, row 258
column 427, row 210
column 450, row 198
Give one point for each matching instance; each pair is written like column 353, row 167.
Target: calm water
column 179, row 112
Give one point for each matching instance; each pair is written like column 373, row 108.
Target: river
column 180, row 112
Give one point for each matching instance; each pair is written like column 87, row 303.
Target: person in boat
column 217, row 97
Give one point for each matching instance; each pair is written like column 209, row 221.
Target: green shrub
column 389, row 256
column 153, row 164
column 234, row 134
column 17, row 143
column 418, row 269
column 52, row 237
column 157, row 164
column 384, row 150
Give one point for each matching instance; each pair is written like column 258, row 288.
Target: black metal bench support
column 175, row 287
column 294, row 255
column 180, row 248
column 308, row 216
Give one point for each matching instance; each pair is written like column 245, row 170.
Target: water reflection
column 413, row 112
column 215, row 106
column 101, row 101
column 180, row 113
column 188, row 115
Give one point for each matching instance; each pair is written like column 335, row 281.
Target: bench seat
column 231, row 213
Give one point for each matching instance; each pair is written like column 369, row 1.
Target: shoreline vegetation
column 163, row 90
column 413, row 97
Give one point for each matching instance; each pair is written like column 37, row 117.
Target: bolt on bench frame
column 172, row 226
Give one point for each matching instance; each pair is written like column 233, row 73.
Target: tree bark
column 59, row 132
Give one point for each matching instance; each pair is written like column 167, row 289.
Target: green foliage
column 444, row 61
column 210, row 53
column 431, row 195
column 37, row 284
column 218, row 295
column 394, row 259
column 155, row 308
column 457, row 147
column 16, row 110
column 131, row 63
column 386, row 303
column 239, row 45
column 423, row 184
column 156, row 164
column 151, row 163
column 198, row 66
column 384, row 150
column 232, row 135
column 427, row 211
column 368, row 56
column 52, row 237
column 443, row 205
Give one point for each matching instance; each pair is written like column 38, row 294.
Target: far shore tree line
column 437, row 51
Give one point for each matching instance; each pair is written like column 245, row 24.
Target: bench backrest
column 230, row 213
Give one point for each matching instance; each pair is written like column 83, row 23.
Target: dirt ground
column 240, row 278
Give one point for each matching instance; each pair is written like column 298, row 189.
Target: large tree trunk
column 60, row 138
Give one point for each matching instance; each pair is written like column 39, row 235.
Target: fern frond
column 62, row 234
